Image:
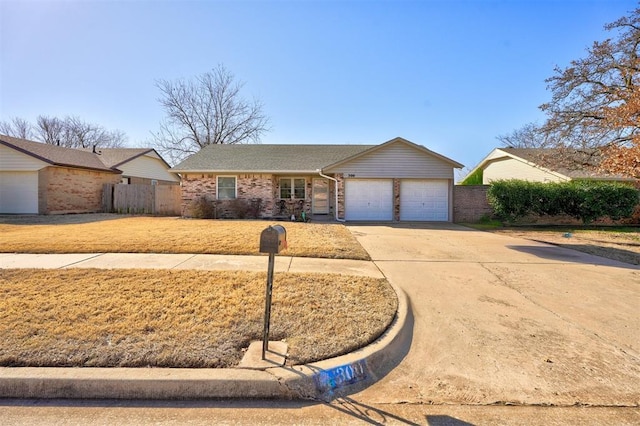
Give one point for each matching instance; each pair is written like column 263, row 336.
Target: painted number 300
column 341, row 376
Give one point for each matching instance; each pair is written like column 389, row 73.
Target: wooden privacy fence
column 161, row 200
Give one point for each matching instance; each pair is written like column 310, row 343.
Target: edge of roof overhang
column 398, row 139
column 53, row 163
column 271, row 172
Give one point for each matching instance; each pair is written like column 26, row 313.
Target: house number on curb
column 338, row 377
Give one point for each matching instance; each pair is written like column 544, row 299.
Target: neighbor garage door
column 426, row 200
column 19, row 192
column 368, row 199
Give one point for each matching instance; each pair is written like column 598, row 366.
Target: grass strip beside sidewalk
column 169, row 318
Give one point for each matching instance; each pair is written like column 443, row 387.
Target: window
column 226, row 187
column 292, row 188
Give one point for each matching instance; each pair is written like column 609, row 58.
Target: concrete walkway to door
column 502, row 320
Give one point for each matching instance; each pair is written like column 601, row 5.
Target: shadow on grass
column 63, row 219
column 577, row 253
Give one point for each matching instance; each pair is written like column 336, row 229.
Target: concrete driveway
column 501, row 320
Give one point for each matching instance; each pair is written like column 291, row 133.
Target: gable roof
column 563, row 162
column 113, row 157
column 282, row 158
column 258, row 158
column 105, row 159
column 57, row 155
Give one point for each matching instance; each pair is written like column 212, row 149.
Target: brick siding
column 470, row 203
column 69, row 190
column 249, row 186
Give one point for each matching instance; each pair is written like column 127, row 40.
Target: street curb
column 322, row 380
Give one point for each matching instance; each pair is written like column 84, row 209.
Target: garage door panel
column 369, row 199
column 19, row 192
column 424, row 200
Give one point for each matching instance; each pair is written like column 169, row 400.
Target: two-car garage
column 420, row 199
column 396, row 181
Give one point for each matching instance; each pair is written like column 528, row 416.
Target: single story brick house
column 38, row 178
column 395, row 181
column 543, row 165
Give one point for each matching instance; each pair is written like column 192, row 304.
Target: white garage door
column 368, row 199
column 19, row 192
column 426, row 200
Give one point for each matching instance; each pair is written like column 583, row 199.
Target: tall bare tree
column 204, row 110
column 70, row 132
column 528, row 136
column 17, row 127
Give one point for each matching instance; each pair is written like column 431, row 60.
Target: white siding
column 18, row 192
column 147, row 167
column 10, row 159
column 396, row 160
column 509, row 168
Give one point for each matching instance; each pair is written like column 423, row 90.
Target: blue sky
column 449, row 75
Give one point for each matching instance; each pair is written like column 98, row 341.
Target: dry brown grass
column 102, row 233
column 133, row 318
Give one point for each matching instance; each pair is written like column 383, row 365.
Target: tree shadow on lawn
column 62, row 219
column 582, row 253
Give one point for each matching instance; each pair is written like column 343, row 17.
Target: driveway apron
column 503, row 320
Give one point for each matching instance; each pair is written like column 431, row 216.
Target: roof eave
column 231, row 172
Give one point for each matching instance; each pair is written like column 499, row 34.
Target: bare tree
column 207, row 109
column 17, row 127
column 528, row 136
column 70, row 132
column 50, row 130
column 80, row 134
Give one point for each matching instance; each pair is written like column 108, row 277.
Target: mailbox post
column 272, row 240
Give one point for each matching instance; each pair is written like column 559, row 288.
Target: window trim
column 293, row 187
column 235, row 187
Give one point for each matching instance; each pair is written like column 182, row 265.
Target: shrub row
column 583, row 200
column 204, row 208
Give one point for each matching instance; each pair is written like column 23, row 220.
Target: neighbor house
column 38, row 178
column 542, row 165
column 396, row 180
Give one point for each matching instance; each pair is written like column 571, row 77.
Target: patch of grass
column 143, row 234
column 136, row 318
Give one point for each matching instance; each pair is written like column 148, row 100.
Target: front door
column 320, row 203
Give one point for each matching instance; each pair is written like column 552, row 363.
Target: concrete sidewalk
column 322, row 380
column 187, row 261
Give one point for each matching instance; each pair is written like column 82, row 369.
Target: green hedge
column 584, row 200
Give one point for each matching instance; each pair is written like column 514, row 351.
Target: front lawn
column 169, row 318
column 104, row 233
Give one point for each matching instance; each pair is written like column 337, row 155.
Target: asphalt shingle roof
column 573, row 163
column 57, row 155
column 268, row 158
column 113, row 157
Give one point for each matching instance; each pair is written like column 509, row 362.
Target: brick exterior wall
column 248, row 187
column 340, row 178
column 68, row 190
column 470, row 203
column 255, row 186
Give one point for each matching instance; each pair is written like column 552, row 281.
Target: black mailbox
column 273, row 239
